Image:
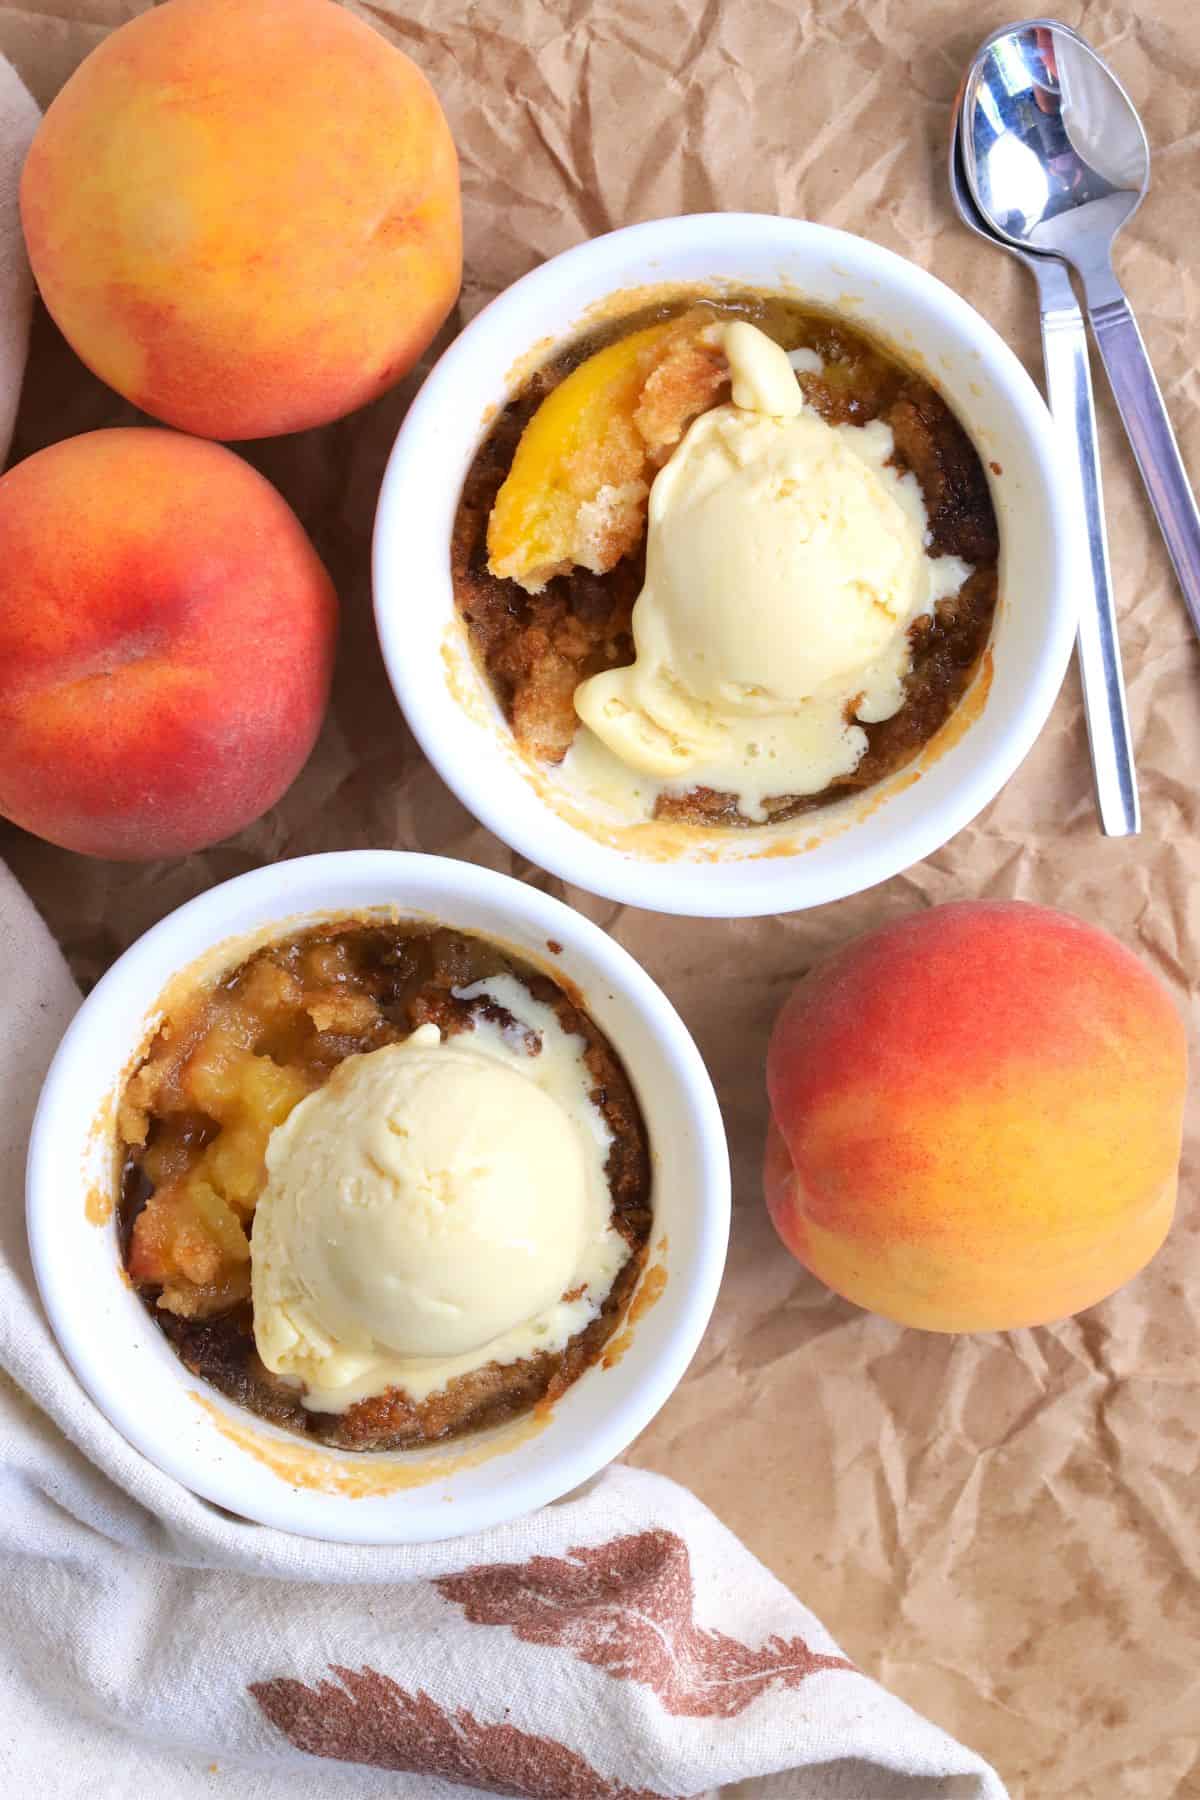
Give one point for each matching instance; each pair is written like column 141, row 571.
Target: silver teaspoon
column 1057, row 161
column 1069, row 387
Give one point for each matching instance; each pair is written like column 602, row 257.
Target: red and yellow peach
column 976, row 1117
column 244, row 214
column 166, row 643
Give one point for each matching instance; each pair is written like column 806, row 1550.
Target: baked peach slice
column 190, row 1236
column 576, row 493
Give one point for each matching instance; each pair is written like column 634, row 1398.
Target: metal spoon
column 1069, row 386
column 1057, row 160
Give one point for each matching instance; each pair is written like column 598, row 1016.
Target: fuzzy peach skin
column 976, row 1117
column 244, row 214
column 166, row 643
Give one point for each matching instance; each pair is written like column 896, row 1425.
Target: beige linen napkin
column 18, row 121
column 621, row 1645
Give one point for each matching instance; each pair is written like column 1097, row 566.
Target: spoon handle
column 1149, row 429
column 1069, row 387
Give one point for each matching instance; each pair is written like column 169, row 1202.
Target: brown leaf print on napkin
column 371, row 1719
column 627, row 1607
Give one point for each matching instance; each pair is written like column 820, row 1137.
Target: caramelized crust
column 930, row 440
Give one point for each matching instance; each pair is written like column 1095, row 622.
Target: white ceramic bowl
column 450, row 707
column 225, row 1453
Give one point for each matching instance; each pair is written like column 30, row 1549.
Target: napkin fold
column 18, row 122
column 620, row 1645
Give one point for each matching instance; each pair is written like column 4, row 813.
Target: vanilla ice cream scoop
column 785, row 561
column 433, row 1198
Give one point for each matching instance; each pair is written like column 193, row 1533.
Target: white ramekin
column 820, row 857
column 221, row 1451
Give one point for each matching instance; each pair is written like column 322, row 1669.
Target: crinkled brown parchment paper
column 1006, row 1530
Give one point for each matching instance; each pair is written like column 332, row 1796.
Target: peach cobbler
column 727, row 558
column 384, row 1183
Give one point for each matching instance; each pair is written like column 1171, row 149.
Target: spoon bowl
column 1054, row 151
column 1057, row 163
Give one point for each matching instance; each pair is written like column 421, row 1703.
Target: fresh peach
column 976, row 1117
column 166, row 643
column 244, row 214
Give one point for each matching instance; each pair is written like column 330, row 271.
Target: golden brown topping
column 683, row 384
column 331, row 1010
